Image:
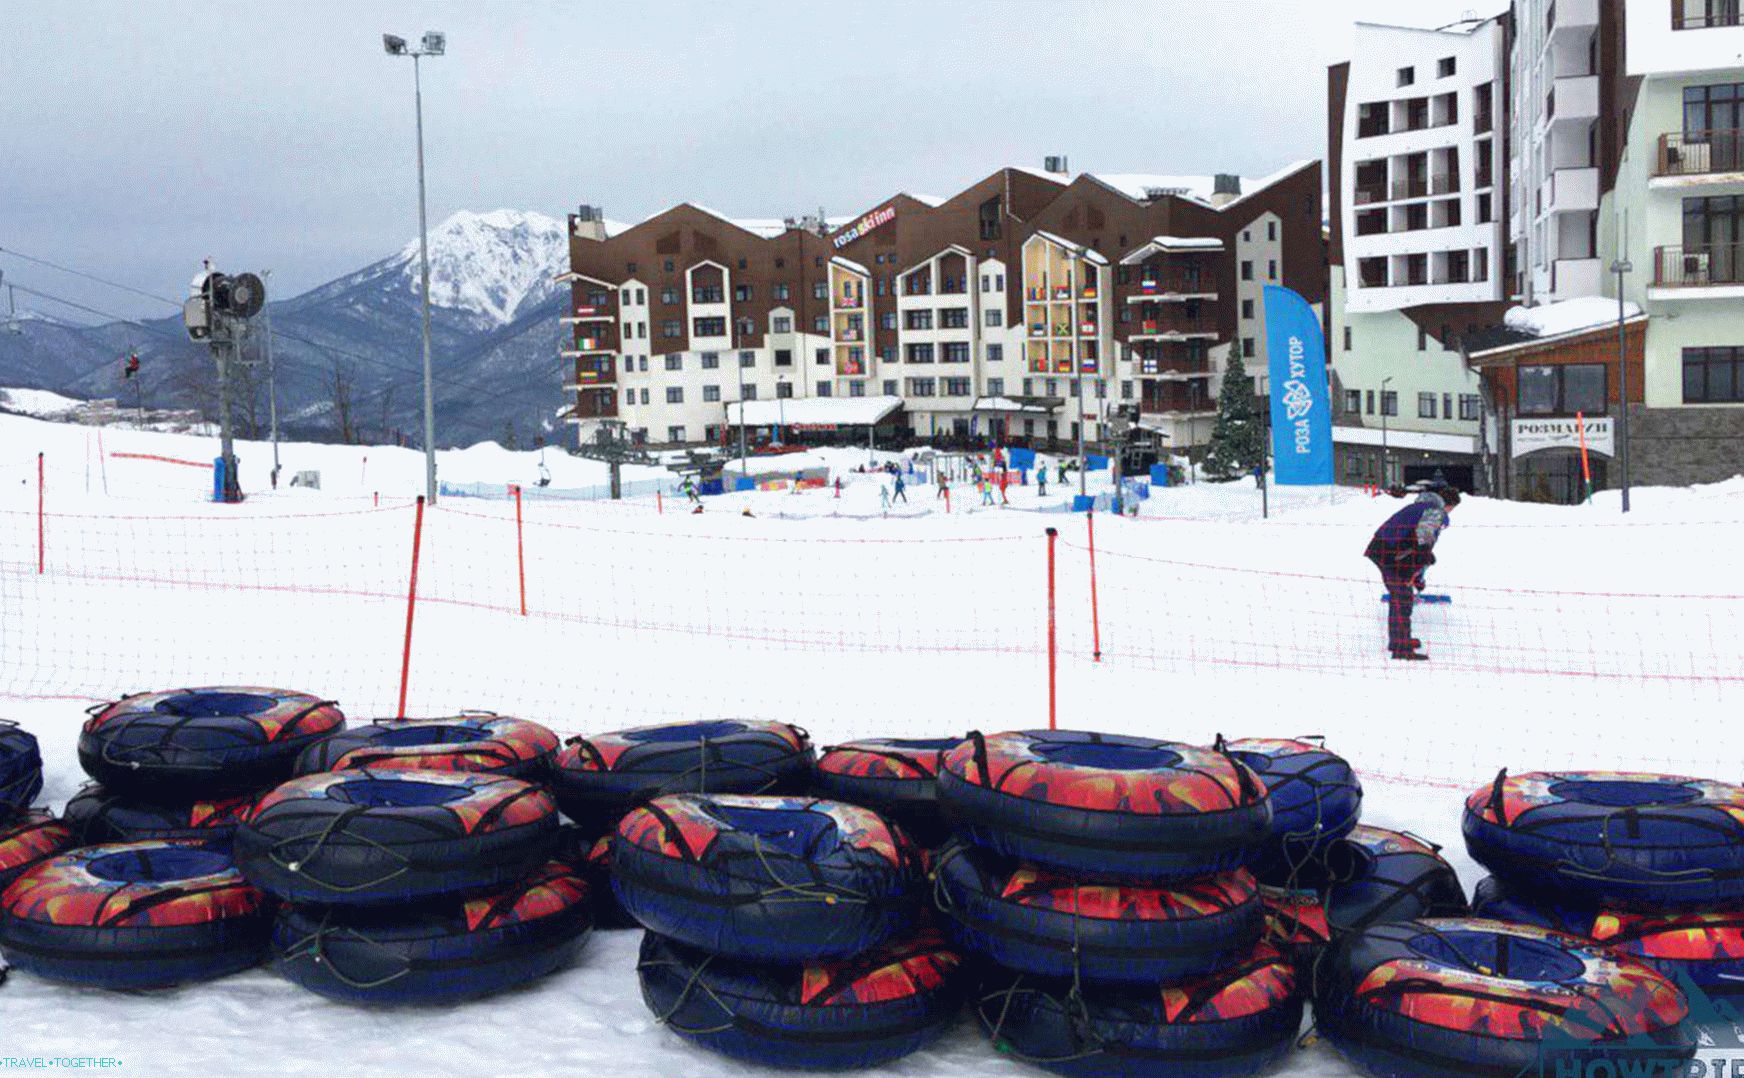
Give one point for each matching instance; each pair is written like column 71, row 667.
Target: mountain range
column 347, row 354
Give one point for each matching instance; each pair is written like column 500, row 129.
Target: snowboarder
column 901, row 490
column 1062, row 473
column 1402, row 549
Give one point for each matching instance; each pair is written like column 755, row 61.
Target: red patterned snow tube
column 896, row 777
column 475, row 741
column 1105, row 806
column 27, row 838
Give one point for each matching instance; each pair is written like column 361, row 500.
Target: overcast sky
column 140, row 137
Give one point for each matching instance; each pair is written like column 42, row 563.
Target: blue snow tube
column 436, row 952
column 771, row 879
column 191, row 744
column 1467, row 996
column 96, row 815
column 363, row 838
column 27, row 838
column 866, row 1010
column 1634, row 840
column 20, row 768
column 1703, row 949
column 894, row 777
column 1105, row 806
column 1036, row 921
column 1237, row 1021
column 133, row 915
column 598, row 779
column 1315, row 797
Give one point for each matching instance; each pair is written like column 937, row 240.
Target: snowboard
column 1426, row 597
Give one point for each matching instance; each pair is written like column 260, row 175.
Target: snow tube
column 493, row 744
column 1237, row 1021
column 436, row 952
column 187, row 744
column 591, row 858
column 361, row 838
column 598, row 779
column 1703, row 949
column 1467, row 996
column 861, row 1012
column 1612, row 838
column 96, row 815
column 133, row 915
column 894, row 777
column 1315, row 799
column 1036, row 921
column 27, row 838
column 1105, row 806
column 20, row 768
column 1370, row 876
column 772, row 879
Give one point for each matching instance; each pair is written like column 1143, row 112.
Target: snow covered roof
column 850, row 265
column 931, row 200
column 1407, row 439
column 813, row 411
column 1008, row 404
column 1135, row 185
column 1569, row 316
column 1087, row 253
column 1166, row 244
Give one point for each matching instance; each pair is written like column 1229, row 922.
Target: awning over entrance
column 1033, row 406
column 813, row 412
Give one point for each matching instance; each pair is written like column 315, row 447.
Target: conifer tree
column 1238, row 440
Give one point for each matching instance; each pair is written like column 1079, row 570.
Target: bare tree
column 340, row 384
column 386, row 423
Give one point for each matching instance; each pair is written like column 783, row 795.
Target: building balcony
column 1445, row 184
column 1573, row 97
column 849, row 303
column 1179, row 330
column 1417, row 187
column 1574, row 277
column 589, row 314
column 1369, row 194
column 1706, row 154
column 1697, row 15
column 589, row 346
column 1567, row 16
column 1714, row 266
column 850, row 335
column 1572, row 189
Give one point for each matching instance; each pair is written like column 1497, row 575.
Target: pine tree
column 1237, row 441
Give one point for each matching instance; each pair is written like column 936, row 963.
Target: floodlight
column 395, row 46
column 434, row 42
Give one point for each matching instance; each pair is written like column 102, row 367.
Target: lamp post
column 1384, row 383
column 781, row 409
column 272, row 390
column 1620, row 267
column 434, row 43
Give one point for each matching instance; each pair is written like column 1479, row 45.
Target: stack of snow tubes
column 147, row 893
column 27, row 835
column 1104, row 880
column 1323, row 874
column 787, row 931
column 414, row 862
column 895, row 777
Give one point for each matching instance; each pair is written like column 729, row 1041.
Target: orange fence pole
column 1053, row 650
column 411, row 604
column 1095, row 612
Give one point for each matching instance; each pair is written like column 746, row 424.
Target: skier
column 986, row 492
column 689, row 489
column 901, row 490
column 838, row 486
column 1402, row 549
column 1042, row 481
column 944, row 487
column 1062, row 473
column 884, row 496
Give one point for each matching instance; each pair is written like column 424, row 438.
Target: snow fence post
column 659, row 503
column 1095, row 611
column 411, row 603
column 1053, row 653
column 520, row 551
column 39, row 526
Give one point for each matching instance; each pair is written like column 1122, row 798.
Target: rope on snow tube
column 867, row 1010
column 437, row 952
column 1237, row 1021
column 96, row 815
column 590, row 857
column 133, row 915
column 600, row 778
column 361, row 838
column 27, row 838
column 1468, row 996
column 1629, row 839
column 895, row 777
column 472, row 741
column 1036, row 921
column 775, row 879
column 20, row 768
column 192, row 744
column 1316, row 799
column 1105, row 806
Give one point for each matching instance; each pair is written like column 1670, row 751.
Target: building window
column 1425, row 406
column 1389, row 402
column 1246, row 270
column 779, row 291
column 1422, row 339
column 671, row 328
column 922, row 387
column 644, row 396
column 706, row 293
column 630, row 268
column 781, row 324
column 1272, row 231
column 709, row 327
column 856, row 389
column 1371, row 402
column 675, row 395
column 953, row 318
column 993, row 317
column 642, row 363
column 1470, row 406
column 1126, row 389
column 887, row 353
column 887, row 320
column 750, row 392
column 919, row 353
column 918, row 319
column 1247, row 348
column 1247, row 308
column 996, row 387
column 824, row 389
column 995, row 353
column 711, row 361
column 668, row 265
column 820, row 290
column 627, row 297
column 956, row 352
column 1347, row 338
column 1713, row 375
column 1563, row 390
column 957, row 387
column 711, row 393
column 1407, row 76
column 820, row 324
column 1445, row 67
column 1353, row 402
column 675, row 361
column 629, row 396
column 783, row 390
column 669, row 295
column 1272, row 269
column 889, row 387
column 821, row 357
column 675, row 434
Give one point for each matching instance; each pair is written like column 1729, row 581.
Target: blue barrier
column 741, row 482
column 1160, row 475
column 1083, row 503
column 1136, row 489
column 1021, row 459
column 711, row 486
column 1095, row 464
column 217, row 479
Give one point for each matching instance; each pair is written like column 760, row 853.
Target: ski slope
column 1578, row 637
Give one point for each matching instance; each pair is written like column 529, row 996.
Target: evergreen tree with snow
column 1237, row 441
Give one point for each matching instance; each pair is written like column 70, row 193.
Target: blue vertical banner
column 1301, row 397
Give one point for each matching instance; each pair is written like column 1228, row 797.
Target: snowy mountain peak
column 490, row 265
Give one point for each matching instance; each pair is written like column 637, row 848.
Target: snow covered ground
column 1578, row 637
